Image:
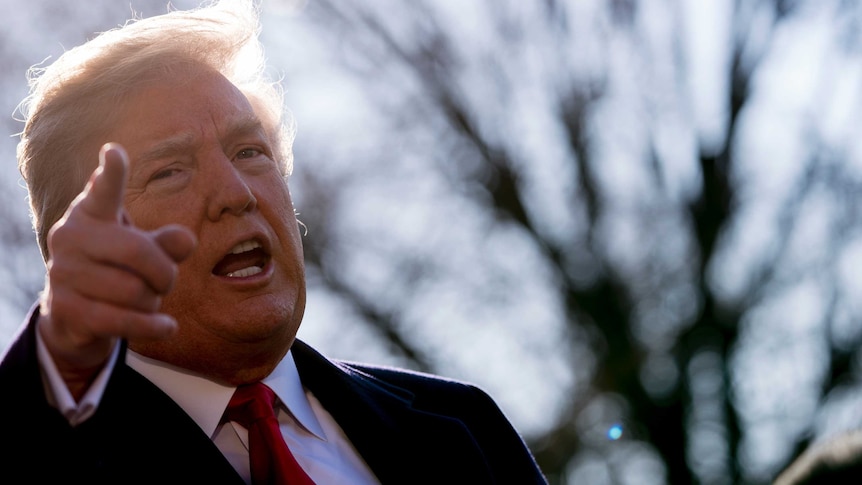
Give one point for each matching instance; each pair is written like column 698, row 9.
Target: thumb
column 176, row 240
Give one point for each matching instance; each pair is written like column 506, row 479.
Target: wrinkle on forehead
column 226, row 107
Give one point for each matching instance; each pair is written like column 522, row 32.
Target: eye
column 163, row 174
column 248, row 153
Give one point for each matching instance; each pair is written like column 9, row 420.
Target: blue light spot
column 615, row 432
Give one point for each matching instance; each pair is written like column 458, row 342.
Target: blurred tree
column 676, row 181
column 634, row 222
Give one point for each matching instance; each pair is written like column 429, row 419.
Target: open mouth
column 247, row 258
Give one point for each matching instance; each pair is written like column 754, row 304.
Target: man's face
column 201, row 158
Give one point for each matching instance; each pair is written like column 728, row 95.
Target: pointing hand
column 106, row 278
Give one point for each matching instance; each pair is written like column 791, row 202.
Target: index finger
column 103, row 198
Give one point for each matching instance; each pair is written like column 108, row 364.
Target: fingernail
column 157, row 304
column 166, row 325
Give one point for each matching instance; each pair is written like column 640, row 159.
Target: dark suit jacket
column 409, row 427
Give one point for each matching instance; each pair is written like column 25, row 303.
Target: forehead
column 191, row 102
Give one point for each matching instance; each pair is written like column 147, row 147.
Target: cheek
column 280, row 206
column 283, row 221
column 151, row 213
column 143, row 217
column 181, row 299
column 289, row 232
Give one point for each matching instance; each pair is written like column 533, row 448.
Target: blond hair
column 71, row 102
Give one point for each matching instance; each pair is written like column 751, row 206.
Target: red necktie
column 271, row 461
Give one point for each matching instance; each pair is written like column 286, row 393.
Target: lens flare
column 615, row 432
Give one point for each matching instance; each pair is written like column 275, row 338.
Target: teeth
column 245, row 272
column 245, row 246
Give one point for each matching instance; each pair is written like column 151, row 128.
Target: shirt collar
column 205, row 400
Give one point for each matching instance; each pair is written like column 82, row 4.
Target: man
column 157, row 161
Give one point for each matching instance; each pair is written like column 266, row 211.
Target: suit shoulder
column 426, row 388
column 406, row 377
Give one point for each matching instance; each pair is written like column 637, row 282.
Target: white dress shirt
column 319, row 444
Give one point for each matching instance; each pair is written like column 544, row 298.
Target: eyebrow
column 245, row 125
column 168, row 147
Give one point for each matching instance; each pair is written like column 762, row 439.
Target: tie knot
column 249, row 403
column 270, row 459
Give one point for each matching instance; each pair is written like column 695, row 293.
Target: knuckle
column 65, row 235
column 158, row 270
column 107, row 321
column 62, row 303
column 139, row 295
column 139, row 249
column 58, row 232
column 59, row 271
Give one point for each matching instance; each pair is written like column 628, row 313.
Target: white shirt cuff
column 58, row 393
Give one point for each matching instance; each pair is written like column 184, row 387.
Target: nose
column 229, row 191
